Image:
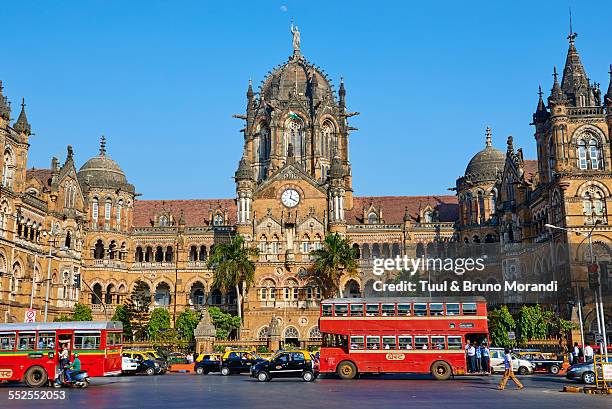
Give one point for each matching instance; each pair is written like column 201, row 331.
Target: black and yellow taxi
column 287, row 364
column 207, row 363
column 238, row 361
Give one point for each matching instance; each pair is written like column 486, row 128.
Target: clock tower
column 293, row 182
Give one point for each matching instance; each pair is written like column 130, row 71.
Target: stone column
column 205, row 333
column 273, row 335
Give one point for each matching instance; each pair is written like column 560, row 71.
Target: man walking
column 575, row 354
column 588, row 353
column 508, row 372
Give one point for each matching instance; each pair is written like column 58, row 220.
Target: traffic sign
column 511, row 335
column 30, row 315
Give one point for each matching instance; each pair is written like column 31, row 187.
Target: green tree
column 186, row 323
column 62, row 318
column 81, row 312
column 335, row 258
column 160, row 319
column 533, row 323
column 137, row 306
column 122, row 313
column 224, row 323
column 500, row 323
column 233, row 267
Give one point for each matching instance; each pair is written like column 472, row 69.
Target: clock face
column 290, row 198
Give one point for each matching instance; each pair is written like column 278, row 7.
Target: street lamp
column 599, row 308
column 51, row 241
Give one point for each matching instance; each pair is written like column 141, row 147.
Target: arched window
column 314, row 333
column 99, row 250
column 119, row 209
column 96, row 296
column 594, row 205
column 162, row 294
column 268, row 290
column 193, row 253
column 149, row 254
column 107, row 210
column 356, row 251
column 169, row 257
column 263, row 333
column 589, row 153
column 203, row 254
column 159, row 254
column 8, row 169
column 94, row 211
column 162, row 221
column 594, row 153
column 294, row 135
column 328, row 140
column 68, row 240
column 197, row 294
column 372, row 218
column 292, row 290
column 218, row 220
column 428, row 216
column 139, row 255
column 110, row 291
column 291, row 333
column 112, row 250
column 216, row 297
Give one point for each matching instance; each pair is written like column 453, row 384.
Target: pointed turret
column 608, row 98
column 575, row 82
column 22, row 125
column 342, row 94
column 5, row 106
column 556, row 93
column 250, row 92
column 510, row 144
column 541, row 114
column 244, row 170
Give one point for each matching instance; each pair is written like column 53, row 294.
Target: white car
column 128, row 365
column 521, row 366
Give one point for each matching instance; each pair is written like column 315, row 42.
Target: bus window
column 356, row 342
column 356, row 310
column 437, row 342
column 389, row 343
column 340, row 310
column 421, row 343
column 469, row 308
column 454, row 343
column 436, row 309
column 373, row 342
column 7, row 342
column 87, row 340
column 452, row 309
column 420, row 310
column 46, row 340
column 27, row 340
column 372, row 310
column 326, row 310
column 404, row 342
column 388, row 310
column 403, row 310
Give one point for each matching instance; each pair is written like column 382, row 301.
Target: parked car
column 209, row 363
column 150, row 354
column 521, row 366
column 145, row 364
column 128, row 365
column 544, row 362
column 584, row 372
column 287, row 364
column 238, row 361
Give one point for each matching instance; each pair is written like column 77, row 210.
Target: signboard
column 511, row 335
column 6, row 373
column 30, row 315
column 607, row 371
column 395, row 357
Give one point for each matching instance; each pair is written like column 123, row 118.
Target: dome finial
column 102, row 145
column 22, row 125
column 488, row 142
column 296, row 39
column 572, row 36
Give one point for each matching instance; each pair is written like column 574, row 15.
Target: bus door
column 64, row 337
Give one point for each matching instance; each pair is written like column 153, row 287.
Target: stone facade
column 293, row 186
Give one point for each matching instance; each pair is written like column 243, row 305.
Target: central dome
column 486, row 164
column 103, row 172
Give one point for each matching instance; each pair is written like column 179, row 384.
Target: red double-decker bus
column 408, row 335
column 29, row 352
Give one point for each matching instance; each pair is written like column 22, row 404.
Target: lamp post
column 599, row 308
column 51, row 241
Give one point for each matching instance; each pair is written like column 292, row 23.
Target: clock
column 290, row 198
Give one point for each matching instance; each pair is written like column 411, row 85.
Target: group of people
column 477, row 357
column 65, row 365
column 587, row 353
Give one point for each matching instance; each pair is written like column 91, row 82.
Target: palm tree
column 233, row 267
column 334, row 259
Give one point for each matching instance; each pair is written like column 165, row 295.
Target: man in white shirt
column 575, row 354
column 588, row 353
column 471, row 354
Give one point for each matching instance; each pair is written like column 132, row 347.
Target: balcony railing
column 585, row 111
column 109, row 263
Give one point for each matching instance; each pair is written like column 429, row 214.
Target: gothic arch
column 583, row 188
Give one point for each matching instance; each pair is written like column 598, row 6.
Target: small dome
column 486, row 164
column 281, row 82
column 103, row 172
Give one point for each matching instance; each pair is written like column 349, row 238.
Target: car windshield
column 150, row 355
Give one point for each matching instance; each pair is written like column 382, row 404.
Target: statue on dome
column 296, row 38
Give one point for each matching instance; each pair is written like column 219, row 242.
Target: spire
column 22, row 125
column 244, row 169
column 574, row 78
column 102, row 145
column 488, row 142
column 406, row 214
column 609, row 93
column 5, row 106
column 342, row 93
column 541, row 114
column 69, row 154
column 250, row 90
column 510, row 144
column 556, row 94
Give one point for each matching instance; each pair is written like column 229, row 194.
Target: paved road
column 193, row 391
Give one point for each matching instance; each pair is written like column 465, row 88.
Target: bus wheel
column 441, row 370
column 347, row 370
column 36, row 377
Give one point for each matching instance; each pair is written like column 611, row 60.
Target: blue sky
column 161, row 79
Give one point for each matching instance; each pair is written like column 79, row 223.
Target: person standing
column 478, row 358
column 63, row 357
column 588, row 353
column 575, row 354
column 508, row 372
column 467, row 358
column 471, row 352
column 485, row 358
